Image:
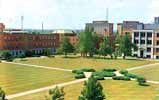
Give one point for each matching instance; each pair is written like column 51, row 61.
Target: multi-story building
column 71, row 35
column 128, row 26
column 156, row 44
column 103, row 28
column 144, row 40
column 17, row 42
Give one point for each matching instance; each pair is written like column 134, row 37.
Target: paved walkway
column 44, row 89
column 38, row 66
column 140, row 67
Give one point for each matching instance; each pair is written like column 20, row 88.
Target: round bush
column 79, row 76
column 123, row 72
column 110, row 70
column 99, row 77
column 121, row 78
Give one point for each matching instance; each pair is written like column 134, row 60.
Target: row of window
column 142, row 34
column 142, row 41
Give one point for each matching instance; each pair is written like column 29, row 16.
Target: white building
column 144, row 40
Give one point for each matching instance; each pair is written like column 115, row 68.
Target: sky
column 73, row 14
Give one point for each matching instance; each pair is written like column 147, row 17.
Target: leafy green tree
column 125, row 46
column 47, row 52
column 93, row 90
column 87, row 42
column 56, row 94
column 2, row 94
column 66, row 46
column 6, row 55
column 105, row 48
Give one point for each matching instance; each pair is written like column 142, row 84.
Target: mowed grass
column 15, row 78
column 114, row 90
column 150, row 73
column 78, row 62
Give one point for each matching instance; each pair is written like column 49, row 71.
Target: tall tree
column 105, row 48
column 56, row 94
column 93, row 90
column 66, row 46
column 47, row 52
column 125, row 46
column 87, row 42
column 2, row 94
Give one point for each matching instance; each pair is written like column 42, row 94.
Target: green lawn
column 114, row 90
column 151, row 73
column 77, row 62
column 15, row 78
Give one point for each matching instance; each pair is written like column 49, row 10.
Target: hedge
column 79, row 76
column 110, row 70
column 104, row 74
column 131, row 75
column 81, row 71
column 121, row 78
column 123, row 72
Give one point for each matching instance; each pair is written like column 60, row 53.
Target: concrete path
column 144, row 66
column 44, row 89
column 38, row 66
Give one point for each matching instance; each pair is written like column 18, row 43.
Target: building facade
column 103, row 28
column 17, row 42
column 71, row 35
column 144, row 40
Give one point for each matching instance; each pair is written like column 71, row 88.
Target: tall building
column 102, row 28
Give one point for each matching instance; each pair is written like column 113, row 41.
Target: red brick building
column 18, row 41
column 72, row 36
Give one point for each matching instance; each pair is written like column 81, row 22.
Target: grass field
column 77, row 62
column 151, row 73
column 15, row 78
column 114, row 90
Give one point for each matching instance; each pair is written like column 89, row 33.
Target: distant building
column 156, row 20
column 71, row 35
column 102, row 28
column 18, row 41
column 2, row 27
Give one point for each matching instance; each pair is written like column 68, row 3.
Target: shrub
column 123, row 72
column 121, row 78
column 131, row 75
column 104, row 74
column 99, row 77
column 80, row 71
column 79, row 76
column 21, row 56
column 144, row 84
column 110, row 70
column 77, row 71
column 2, row 94
column 141, row 80
column 88, row 70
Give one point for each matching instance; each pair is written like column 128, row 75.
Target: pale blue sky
column 73, row 14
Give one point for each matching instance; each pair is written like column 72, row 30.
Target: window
column 157, row 34
column 157, row 57
column 142, row 41
column 157, row 42
column 142, row 34
column 149, row 34
column 136, row 34
column 148, row 56
column 136, row 41
column 149, row 41
column 148, row 49
column 157, row 50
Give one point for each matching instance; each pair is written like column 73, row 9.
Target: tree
column 47, row 52
column 105, row 48
column 92, row 90
column 56, row 94
column 6, row 55
column 2, row 94
column 87, row 42
column 125, row 46
column 66, row 46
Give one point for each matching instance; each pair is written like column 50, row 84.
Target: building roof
column 63, row 31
